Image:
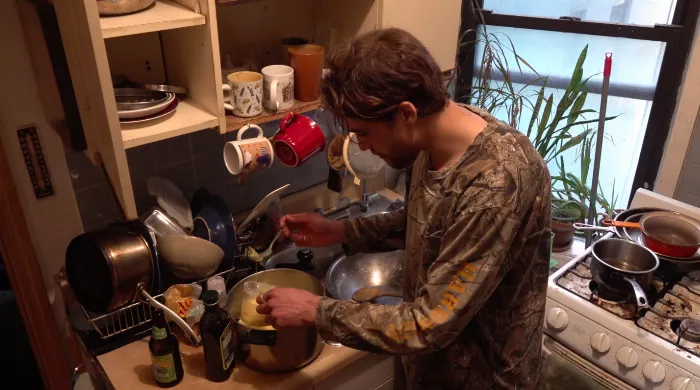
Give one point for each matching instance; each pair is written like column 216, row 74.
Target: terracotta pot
column 307, row 61
column 563, row 235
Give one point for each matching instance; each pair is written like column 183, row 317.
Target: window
column 648, row 63
column 640, row 12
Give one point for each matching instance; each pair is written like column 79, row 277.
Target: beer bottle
column 218, row 337
column 165, row 353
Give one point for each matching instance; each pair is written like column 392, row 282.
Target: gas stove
column 606, row 336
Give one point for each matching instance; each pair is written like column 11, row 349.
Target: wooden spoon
column 367, row 294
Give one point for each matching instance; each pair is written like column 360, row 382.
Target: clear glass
column 635, row 71
column 249, row 304
column 640, row 12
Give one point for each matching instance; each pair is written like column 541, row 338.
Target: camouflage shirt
column 476, row 236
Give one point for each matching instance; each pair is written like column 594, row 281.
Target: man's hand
column 311, row 229
column 288, row 307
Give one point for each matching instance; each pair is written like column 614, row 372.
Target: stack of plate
column 135, row 105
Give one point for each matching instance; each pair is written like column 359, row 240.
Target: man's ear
column 408, row 113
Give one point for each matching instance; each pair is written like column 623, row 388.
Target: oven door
column 564, row 369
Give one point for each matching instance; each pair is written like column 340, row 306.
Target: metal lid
column 164, row 88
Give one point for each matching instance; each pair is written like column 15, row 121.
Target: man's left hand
column 288, row 307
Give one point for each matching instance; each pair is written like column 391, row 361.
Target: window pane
column 641, row 12
column 635, row 72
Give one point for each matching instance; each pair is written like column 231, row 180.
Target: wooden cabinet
column 182, row 42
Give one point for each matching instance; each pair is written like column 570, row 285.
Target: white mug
column 244, row 93
column 278, row 87
column 248, row 155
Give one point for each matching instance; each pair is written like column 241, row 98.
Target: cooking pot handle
column 642, row 302
column 582, row 227
column 169, row 314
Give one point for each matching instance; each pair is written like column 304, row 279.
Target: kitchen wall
column 190, row 161
column 688, row 189
column 683, row 132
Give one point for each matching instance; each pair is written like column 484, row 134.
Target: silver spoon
column 366, row 294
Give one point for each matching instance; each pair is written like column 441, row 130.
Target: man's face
column 392, row 141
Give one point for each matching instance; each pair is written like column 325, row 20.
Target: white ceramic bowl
column 190, row 257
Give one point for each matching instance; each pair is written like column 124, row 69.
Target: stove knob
column 681, row 383
column 627, row 357
column 557, row 319
column 600, row 342
column 654, row 372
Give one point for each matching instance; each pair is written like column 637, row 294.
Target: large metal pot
column 278, row 350
column 104, row 268
column 621, row 265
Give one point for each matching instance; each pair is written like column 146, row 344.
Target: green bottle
column 218, row 337
column 165, row 353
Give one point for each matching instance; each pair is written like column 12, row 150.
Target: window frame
column 677, row 36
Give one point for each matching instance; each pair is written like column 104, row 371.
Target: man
column 476, row 227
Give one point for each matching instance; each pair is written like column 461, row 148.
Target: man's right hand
column 311, row 229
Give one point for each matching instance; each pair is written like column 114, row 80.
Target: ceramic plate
column 147, row 111
column 163, row 114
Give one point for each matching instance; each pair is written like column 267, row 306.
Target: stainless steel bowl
column 349, row 274
column 281, row 350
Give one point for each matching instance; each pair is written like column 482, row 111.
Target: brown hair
column 373, row 73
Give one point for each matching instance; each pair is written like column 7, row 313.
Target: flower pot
column 563, row 235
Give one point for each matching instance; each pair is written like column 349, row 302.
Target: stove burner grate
column 606, row 294
column 689, row 329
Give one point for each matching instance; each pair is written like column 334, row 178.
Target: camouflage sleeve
column 470, row 265
column 379, row 232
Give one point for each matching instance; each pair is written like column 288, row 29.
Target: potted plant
column 553, row 128
column 572, row 198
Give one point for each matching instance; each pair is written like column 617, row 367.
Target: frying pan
column 670, row 267
column 621, row 217
column 636, row 235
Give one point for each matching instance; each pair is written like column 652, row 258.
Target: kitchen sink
column 289, row 255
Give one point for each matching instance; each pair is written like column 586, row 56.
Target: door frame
column 24, row 272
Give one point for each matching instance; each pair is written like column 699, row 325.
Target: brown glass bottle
column 165, row 353
column 218, row 337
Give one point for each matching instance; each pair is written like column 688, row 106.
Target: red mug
column 298, row 139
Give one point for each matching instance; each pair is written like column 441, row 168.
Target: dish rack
column 140, row 313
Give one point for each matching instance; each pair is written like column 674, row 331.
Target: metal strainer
column 361, row 164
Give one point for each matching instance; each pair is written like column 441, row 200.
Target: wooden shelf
column 234, row 123
column 163, row 15
column 188, row 118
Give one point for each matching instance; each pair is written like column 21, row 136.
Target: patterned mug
column 244, row 93
column 278, row 87
column 248, row 155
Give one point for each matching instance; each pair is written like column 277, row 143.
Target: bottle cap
column 210, row 297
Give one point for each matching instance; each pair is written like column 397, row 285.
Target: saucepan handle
column 639, row 294
column 583, row 227
column 171, row 315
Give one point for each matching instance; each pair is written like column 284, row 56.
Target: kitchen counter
column 129, row 367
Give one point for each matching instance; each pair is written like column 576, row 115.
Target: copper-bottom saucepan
column 666, row 232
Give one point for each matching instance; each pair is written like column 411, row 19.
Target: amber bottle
column 165, row 353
